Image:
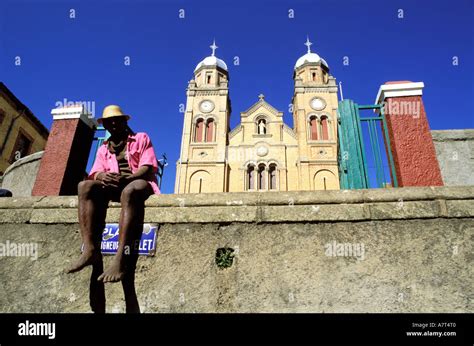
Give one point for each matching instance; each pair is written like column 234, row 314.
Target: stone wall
column 455, row 152
column 417, row 257
column 20, row 177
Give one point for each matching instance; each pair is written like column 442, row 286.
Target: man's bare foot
column 87, row 258
column 113, row 274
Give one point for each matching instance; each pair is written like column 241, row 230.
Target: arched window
column 251, row 178
column 261, row 127
column 199, row 128
column 324, row 128
column 272, row 177
column 313, row 125
column 261, row 177
column 210, row 130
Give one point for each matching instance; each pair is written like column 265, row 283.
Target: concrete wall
column 455, row 152
column 418, row 253
column 20, row 177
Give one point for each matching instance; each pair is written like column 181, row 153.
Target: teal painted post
column 352, row 155
column 342, row 158
column 360, row 147
column 389, row 151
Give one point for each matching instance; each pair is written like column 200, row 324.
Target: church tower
column 315, row 123
column 202, row 166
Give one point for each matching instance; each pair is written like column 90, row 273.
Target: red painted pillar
column 64, row 161
column 412, row 147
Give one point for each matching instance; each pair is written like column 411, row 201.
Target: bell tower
column 315, row 122
column 202, row 166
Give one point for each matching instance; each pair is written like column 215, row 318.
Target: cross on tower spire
column 308, row 44
column 213, row 47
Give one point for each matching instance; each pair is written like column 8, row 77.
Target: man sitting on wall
column 124, row 171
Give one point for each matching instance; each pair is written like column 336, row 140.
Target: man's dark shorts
column 114, row 193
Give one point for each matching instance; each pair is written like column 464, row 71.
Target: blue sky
column 82, row 59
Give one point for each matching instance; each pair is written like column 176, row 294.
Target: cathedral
column 262, row 153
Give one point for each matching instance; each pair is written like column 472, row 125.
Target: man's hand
column 108, row 179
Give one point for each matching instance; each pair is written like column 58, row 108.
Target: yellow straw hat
column 112, row 111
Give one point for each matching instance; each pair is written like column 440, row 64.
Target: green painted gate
column 354, row 144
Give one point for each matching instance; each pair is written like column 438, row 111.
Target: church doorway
column 325, row 180
column 200, row 182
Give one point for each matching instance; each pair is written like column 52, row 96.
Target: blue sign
column 110, row 239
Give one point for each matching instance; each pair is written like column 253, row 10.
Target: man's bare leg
column 131, row 217
column 97, row 289
column 128, row 280
column 128, row 285
column 92, row 209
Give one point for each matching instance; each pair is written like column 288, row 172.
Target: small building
column 21, row 133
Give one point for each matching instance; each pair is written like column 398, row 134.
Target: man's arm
column 99, row 164
column 143, row 172
column 147, row 154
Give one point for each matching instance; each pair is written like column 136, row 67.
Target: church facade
column 262, row 153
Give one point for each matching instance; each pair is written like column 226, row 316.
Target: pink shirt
column 139, row 153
